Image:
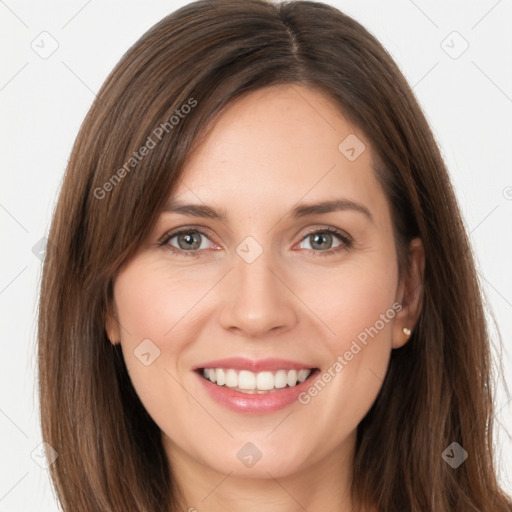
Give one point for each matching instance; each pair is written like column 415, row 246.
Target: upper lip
column 260, row 365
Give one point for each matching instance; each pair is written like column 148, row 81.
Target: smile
column 255, row 386
column 245, row 381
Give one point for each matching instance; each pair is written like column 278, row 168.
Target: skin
column 270, row 150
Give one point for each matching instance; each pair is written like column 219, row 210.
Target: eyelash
column 346, row 241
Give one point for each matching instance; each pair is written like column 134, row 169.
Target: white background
column 468, row 101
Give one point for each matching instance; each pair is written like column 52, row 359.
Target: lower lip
column 254, row 403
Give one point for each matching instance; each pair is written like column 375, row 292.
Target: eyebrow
column 302, row 210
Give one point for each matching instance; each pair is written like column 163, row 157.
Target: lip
column 262, row 365
column 253, row 403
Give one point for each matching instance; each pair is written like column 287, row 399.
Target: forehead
column 277, row 146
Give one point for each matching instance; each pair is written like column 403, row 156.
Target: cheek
column 365, row 308
column 152, row 301
column 354, row 301
column 153, row 315
column 149, row 308
column 358, row 306
column 366, row 339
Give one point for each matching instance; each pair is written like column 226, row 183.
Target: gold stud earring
column 406, row 331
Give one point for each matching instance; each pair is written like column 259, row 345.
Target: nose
column 257, row 298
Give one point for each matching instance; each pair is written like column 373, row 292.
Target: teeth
column 251, row 382
column 246, row 380
column 220, row 374
column 291, row 378
column 303, row 375
column 280, row 379
column 231, row 379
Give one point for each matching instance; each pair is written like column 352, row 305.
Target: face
column 271, row 292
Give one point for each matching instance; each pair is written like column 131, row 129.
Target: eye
column 323, row 239
column 188, row 241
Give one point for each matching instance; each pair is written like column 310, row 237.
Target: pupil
column 189, row 238
column 317, row 237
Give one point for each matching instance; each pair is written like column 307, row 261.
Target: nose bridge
column 257, row 301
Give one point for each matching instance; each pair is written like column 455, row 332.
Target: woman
column 194, row 353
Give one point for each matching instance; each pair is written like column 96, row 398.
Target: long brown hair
column 438, row 388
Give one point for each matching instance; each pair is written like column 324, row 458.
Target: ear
column 112, row 326
column 410, row 294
